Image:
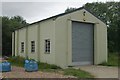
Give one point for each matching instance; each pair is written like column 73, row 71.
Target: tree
column 69, row 9
column 109, row 13
column 8, row 25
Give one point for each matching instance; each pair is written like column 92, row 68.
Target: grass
column 112, row 60
column 19, row 61
column 47, row 66
column 78, row 73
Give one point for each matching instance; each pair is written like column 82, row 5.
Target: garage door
column 82, row 43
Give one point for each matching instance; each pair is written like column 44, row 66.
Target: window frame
column 32, row 46
column 22, row 47
column 47, row 46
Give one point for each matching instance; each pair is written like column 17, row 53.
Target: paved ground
column 18, row 72
column 101, row 71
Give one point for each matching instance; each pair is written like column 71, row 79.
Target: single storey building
column 68, row 39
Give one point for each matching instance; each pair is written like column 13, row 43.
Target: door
column 82, row 43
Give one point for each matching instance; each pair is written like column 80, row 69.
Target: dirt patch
column 18, row 72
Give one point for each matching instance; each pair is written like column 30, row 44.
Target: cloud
column 33, row 11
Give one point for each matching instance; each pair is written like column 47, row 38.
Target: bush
column 47, row 66
column 18, row 61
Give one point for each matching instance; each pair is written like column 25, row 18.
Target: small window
column 22, row 47
column 32, row 46
column 47, row 46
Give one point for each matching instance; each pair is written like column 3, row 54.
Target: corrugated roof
column 59, row 16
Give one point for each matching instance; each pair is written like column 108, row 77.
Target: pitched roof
column 59, row 16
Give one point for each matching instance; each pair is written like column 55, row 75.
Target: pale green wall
column 22, row 38
column 47, row 31
column 32, row 36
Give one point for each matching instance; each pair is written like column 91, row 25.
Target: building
column 67, row 39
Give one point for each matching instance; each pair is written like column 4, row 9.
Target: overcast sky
column 35, row 11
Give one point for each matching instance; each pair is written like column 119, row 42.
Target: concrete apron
column 100, row 71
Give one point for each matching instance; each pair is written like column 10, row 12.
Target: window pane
column 22, row 46
column 32, row 46
column 47, row 45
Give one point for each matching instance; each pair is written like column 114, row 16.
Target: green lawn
column 19, row 61
column 112, row 60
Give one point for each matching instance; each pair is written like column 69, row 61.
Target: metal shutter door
column 82, row 43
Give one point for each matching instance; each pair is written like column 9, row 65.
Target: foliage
column 113, row 60
column 78, row 73
column 8, row 25
column 17, row 61
column 109, row 13
column 47, row 66
column 69, row 9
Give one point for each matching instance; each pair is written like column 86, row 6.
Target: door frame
column 70, row 63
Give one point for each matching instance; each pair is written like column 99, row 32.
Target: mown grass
column 113, row 60
column 19, row 61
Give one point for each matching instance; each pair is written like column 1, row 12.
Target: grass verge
column 78, row 73
column 113, row 60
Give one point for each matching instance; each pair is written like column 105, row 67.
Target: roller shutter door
column 82, row 43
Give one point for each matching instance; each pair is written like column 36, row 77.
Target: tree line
column 8, row 25
column 109, row 12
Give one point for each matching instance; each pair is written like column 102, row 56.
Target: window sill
column 32, row 52
column 47, row 52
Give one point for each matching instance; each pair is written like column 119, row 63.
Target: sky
column 33, row 11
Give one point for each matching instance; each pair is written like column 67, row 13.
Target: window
column 47, row 46
column 22, row 47
column 32, row 46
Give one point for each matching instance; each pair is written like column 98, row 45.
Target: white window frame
column 22, row 47
column 32, row 46
column 47, row 46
